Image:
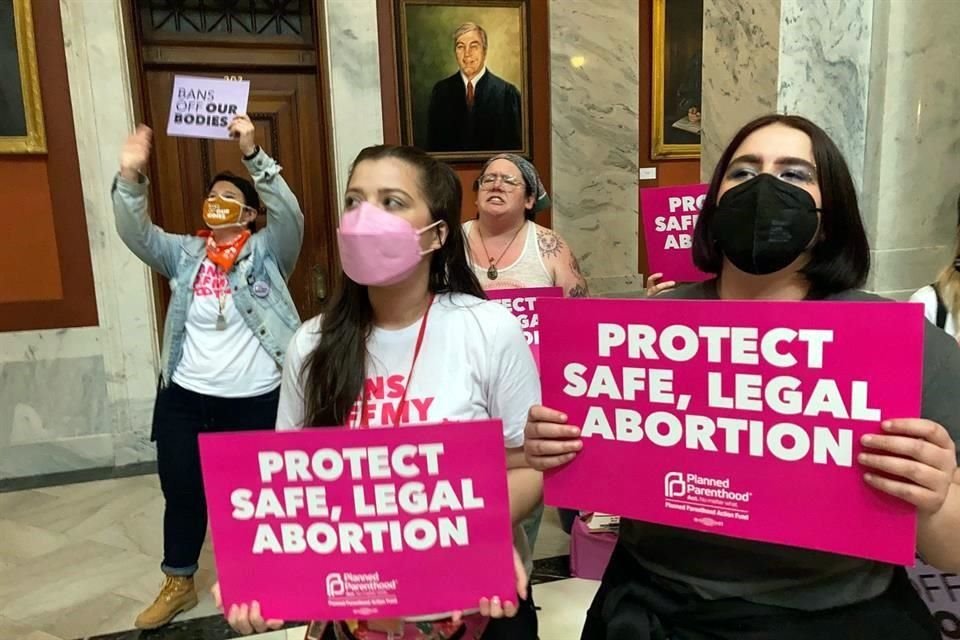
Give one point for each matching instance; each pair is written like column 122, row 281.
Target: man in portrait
column 473, row 110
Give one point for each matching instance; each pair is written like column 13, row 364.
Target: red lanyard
column 362, row 421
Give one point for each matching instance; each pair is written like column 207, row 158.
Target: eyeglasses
column 508, row 183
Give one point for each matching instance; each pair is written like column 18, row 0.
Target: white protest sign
column 204, row 107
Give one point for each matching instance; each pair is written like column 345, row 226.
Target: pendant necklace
column 221, row 319
column 492, row 272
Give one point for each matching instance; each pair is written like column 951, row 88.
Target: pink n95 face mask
column 378, row 249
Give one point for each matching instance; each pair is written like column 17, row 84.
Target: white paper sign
column 204, row 107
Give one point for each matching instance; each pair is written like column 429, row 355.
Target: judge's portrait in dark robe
column 474, row 109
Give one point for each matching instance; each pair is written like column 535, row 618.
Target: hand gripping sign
column 736, row 418
column 339, row 523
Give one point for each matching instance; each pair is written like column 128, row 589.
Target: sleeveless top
column 528, row 270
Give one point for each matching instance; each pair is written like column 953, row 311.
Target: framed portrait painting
column 464, row 76
column 677, row 78
column 21, row 113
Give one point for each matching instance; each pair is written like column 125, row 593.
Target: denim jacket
column 268, row 258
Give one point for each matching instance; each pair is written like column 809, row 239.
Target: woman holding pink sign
column 510, row 193
column 409, row 339
column 508, row 250
column 781, row 222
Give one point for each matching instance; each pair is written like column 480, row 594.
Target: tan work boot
column 176, row 596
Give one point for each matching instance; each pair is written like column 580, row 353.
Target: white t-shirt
column 226, row 364
column 928, row 297
column 474, row 365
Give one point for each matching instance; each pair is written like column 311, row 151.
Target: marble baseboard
column 134, row 447
column 47, row 400
column 76, row 477
column 65, row 454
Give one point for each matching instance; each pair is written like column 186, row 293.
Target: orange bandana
column 224, row 255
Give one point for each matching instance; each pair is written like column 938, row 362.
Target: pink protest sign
column 736, row 418
column 377, row 523
column 523, row 304
column 669, row 217
column 204, row 107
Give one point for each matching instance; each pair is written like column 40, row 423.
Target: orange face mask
column 220, row 212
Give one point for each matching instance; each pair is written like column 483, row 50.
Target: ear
column 249, row 215
column 441, row 236
column 529, row 202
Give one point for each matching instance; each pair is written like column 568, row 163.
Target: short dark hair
column 840, row 260
column 250, row 196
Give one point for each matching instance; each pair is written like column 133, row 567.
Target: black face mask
column 764, row 224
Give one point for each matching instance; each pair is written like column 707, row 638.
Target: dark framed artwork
column 677, row 78
column 463, row 70
column 21, row 111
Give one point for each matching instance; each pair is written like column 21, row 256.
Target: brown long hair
column 948, row 282
column 336, row 369
column 841, row 259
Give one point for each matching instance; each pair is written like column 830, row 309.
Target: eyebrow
column 751, row 158
column 381, row 192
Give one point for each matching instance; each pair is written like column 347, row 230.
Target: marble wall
column 78, row 398
column 594, row 107
column 354, row 72
column 740, row 44
column 913, row 142
column 879, row 76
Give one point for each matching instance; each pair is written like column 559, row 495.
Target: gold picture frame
column 673, row 133
column 425, row 58
column 33, row 137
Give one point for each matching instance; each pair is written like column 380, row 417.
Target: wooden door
column 286, row 106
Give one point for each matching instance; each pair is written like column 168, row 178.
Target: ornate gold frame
column 36, row 140
column 659, row 149
column 403, row 78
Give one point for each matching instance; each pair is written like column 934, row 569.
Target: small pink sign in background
column 669, row 217
column 741, row 494
column 312, row 578
column 522, row 303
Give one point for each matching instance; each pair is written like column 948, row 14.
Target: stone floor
column 82, row 560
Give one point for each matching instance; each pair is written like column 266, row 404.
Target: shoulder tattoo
column 549, row 243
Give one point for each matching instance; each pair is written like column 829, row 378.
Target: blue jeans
column 179, row 417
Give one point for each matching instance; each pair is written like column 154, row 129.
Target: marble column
column 911, row 180
column 879, row 76
column 594, row 54
column 353, row 56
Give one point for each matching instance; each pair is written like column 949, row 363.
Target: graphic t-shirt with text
column 228, row 362
column 474, row 364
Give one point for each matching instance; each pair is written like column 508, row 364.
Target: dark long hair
column 840, row 260
column 336, row 369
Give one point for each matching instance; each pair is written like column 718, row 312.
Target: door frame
column 138, row 94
